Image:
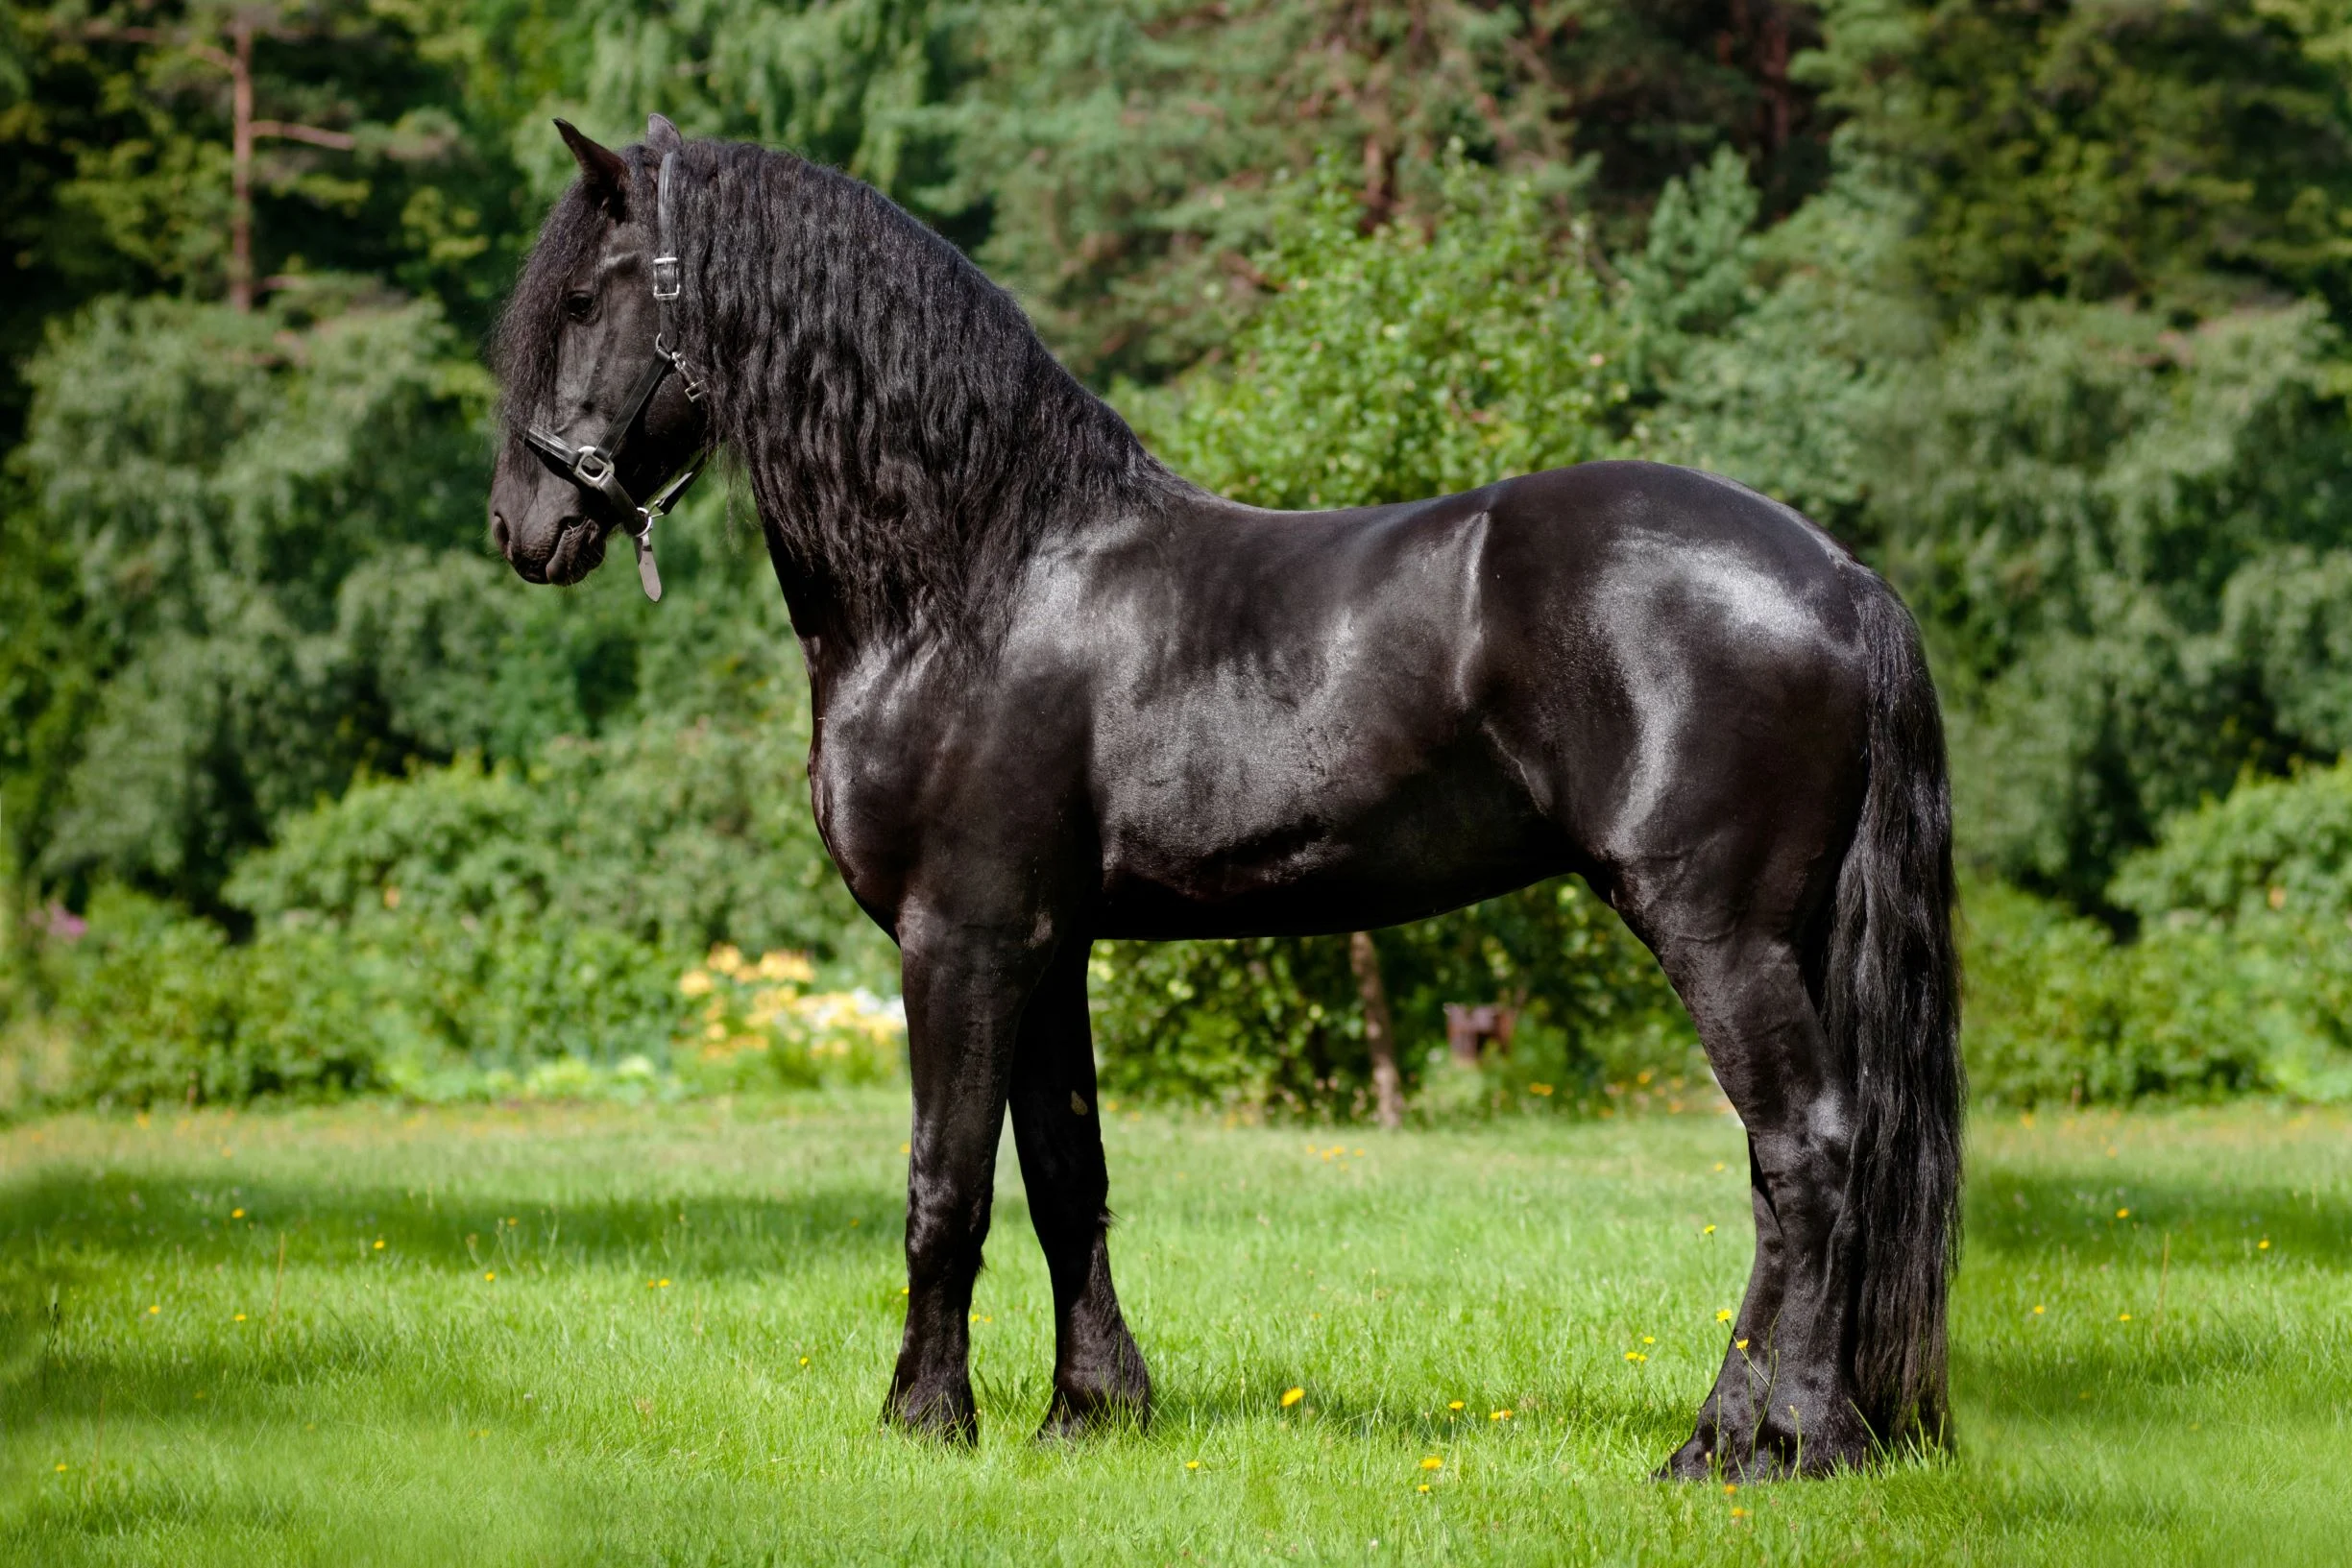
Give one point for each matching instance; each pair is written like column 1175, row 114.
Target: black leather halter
column 595, row 466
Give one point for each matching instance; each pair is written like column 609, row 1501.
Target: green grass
column 397, row 1404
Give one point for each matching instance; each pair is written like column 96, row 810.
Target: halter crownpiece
column 595, row 466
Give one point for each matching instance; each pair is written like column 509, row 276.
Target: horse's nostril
column 497, row 531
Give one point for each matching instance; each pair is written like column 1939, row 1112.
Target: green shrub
column 164, row 1009
column 1278, row 1022
column 2272, row 845
column 2057, row 1011
column 1393, row 364
column 2239, row 976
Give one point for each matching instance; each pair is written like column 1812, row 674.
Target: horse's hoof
column 1089, row 1413
column 1695, row 1460
column 945, row 1416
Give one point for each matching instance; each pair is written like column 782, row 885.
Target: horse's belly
column 1270, row 840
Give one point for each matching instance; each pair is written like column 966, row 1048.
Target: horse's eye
column 579, row 304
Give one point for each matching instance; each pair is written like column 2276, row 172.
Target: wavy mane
column 908, row 439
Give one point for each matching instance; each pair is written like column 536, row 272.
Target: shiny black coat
column 1062, row 695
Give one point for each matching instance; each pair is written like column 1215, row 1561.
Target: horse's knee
column 945, row 1234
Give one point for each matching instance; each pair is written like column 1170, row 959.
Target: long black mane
column 1322, row 722
column 908, row 439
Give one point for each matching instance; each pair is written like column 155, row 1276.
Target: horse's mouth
column 579, row 549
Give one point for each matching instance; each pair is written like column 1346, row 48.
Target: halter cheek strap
column 595, row 466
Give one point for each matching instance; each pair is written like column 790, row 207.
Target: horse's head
column 603, row 416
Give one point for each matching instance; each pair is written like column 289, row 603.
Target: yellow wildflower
column 1499, row 1415
column 236, row 1214
column 240, row 1318
column 695, row 982
column 1291, row 1396
column 787, row 966
column 379, row 1243
column 1453, row 1404
column 1192, row 1464
column 490, row 1274
column 727, row 959
column 1724, row 1315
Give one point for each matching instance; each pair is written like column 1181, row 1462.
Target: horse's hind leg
column 1784, row 1399
column 1057, row 1127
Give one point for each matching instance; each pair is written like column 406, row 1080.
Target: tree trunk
column 241, row 167
column 1379, row 1029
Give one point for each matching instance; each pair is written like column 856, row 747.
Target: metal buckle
column 677, row 362
column 599, row 473
column 666, row 278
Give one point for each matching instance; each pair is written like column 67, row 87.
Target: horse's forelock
column 523, row 351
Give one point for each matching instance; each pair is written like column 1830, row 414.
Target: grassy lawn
column 578, row 1333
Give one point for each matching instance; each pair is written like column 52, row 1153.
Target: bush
column 1391, row 363
column 1278, row 1022
column 2239, row 976
column 2057, row 1011
column 760, row 1026
column 162, row 1010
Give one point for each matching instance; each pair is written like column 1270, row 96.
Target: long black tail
column 1893, row 1008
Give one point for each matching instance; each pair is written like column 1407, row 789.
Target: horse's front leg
column 1057, row 1127
column 965, row 986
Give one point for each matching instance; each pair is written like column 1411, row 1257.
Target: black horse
column 1063, row 694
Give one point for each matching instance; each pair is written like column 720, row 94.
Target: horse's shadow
column 2159, row 1264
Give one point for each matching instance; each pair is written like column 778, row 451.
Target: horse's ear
column 604, row 172
column 661, row 136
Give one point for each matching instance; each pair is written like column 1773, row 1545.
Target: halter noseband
column 595, row 466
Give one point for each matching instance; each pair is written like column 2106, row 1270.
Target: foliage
column 2239, row 975
column 2122, row 537
column 1393, row 364
column 216, row 477
column 2271, row 845
column 2058, row 1012
column 760, row 1026
column 2103, row 519
column 1126, row 154
column 1278, row 1022
column 2040, row 308
column 2194, row 156
column 119, row 155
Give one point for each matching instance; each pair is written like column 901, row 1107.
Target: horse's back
column 1294, row 714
